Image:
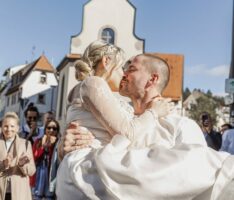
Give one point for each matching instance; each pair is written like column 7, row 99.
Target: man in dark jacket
column 30, row 130
column 213, row 138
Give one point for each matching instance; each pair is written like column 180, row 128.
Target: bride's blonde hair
column 93, row 54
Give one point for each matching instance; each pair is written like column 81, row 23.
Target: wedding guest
column 228, row 141
column 43, row 150
column 213, row 138
column 46, row 117
column 225, row 127
column 30, row 129
column 16, row 161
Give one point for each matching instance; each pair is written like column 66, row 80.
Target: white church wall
column 116, row 14
column 70, row 81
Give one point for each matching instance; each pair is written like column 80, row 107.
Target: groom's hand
column 162, row 106
column 76, row 137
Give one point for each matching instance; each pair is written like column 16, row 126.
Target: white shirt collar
column 9, row 142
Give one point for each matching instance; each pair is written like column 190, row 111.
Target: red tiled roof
column 68, row 58
column 43, row 64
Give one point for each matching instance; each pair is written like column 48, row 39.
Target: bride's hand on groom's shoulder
column 162, row 106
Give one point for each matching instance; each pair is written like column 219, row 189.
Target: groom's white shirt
column 169, row 130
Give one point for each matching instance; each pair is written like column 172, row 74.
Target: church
column 114, row 22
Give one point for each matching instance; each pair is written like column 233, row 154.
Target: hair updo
column 86, row 66
column 12, row 115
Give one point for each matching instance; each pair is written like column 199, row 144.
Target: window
column 108, row 35
column 43, row 78
column 41, row 99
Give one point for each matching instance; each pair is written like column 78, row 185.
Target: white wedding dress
column 147, row 160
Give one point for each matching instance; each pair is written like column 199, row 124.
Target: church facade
column 112, row 21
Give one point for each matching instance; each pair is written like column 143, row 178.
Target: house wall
column 32, row 85
column 31, row 88
column 3, row 102
column 13, row 107
column 70, row 81
column 48, row 105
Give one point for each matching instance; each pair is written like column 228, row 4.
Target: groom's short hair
column 155, row 64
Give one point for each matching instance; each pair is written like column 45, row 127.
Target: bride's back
column 99, row 59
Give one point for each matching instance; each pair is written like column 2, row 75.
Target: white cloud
column 217, row 71
column 194, row 69
column 221, row 70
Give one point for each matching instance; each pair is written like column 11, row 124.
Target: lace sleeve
column 97, row 97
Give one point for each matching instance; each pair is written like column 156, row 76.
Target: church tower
column 112, row 21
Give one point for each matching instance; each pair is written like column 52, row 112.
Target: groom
column 145, row 77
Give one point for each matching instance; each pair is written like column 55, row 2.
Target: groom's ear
column 153, row 79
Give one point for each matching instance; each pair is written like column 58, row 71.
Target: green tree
column 219, row 99
column 186, row 93
column 209, row 93
column 204, row 104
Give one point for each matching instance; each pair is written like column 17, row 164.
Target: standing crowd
column 28, row 156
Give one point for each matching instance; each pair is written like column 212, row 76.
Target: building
column 66, row 82
column 35, row 83
column 6, row 84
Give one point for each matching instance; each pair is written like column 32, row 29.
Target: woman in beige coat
column 16, row 161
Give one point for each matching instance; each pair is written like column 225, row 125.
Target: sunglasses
column 32, row 118
column 52, row 127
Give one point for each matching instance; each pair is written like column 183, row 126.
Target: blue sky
column 199, row 29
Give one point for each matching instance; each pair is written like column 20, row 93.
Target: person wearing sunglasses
column 43, row 150
column 30, row 130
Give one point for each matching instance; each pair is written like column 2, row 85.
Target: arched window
column 108, row 35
